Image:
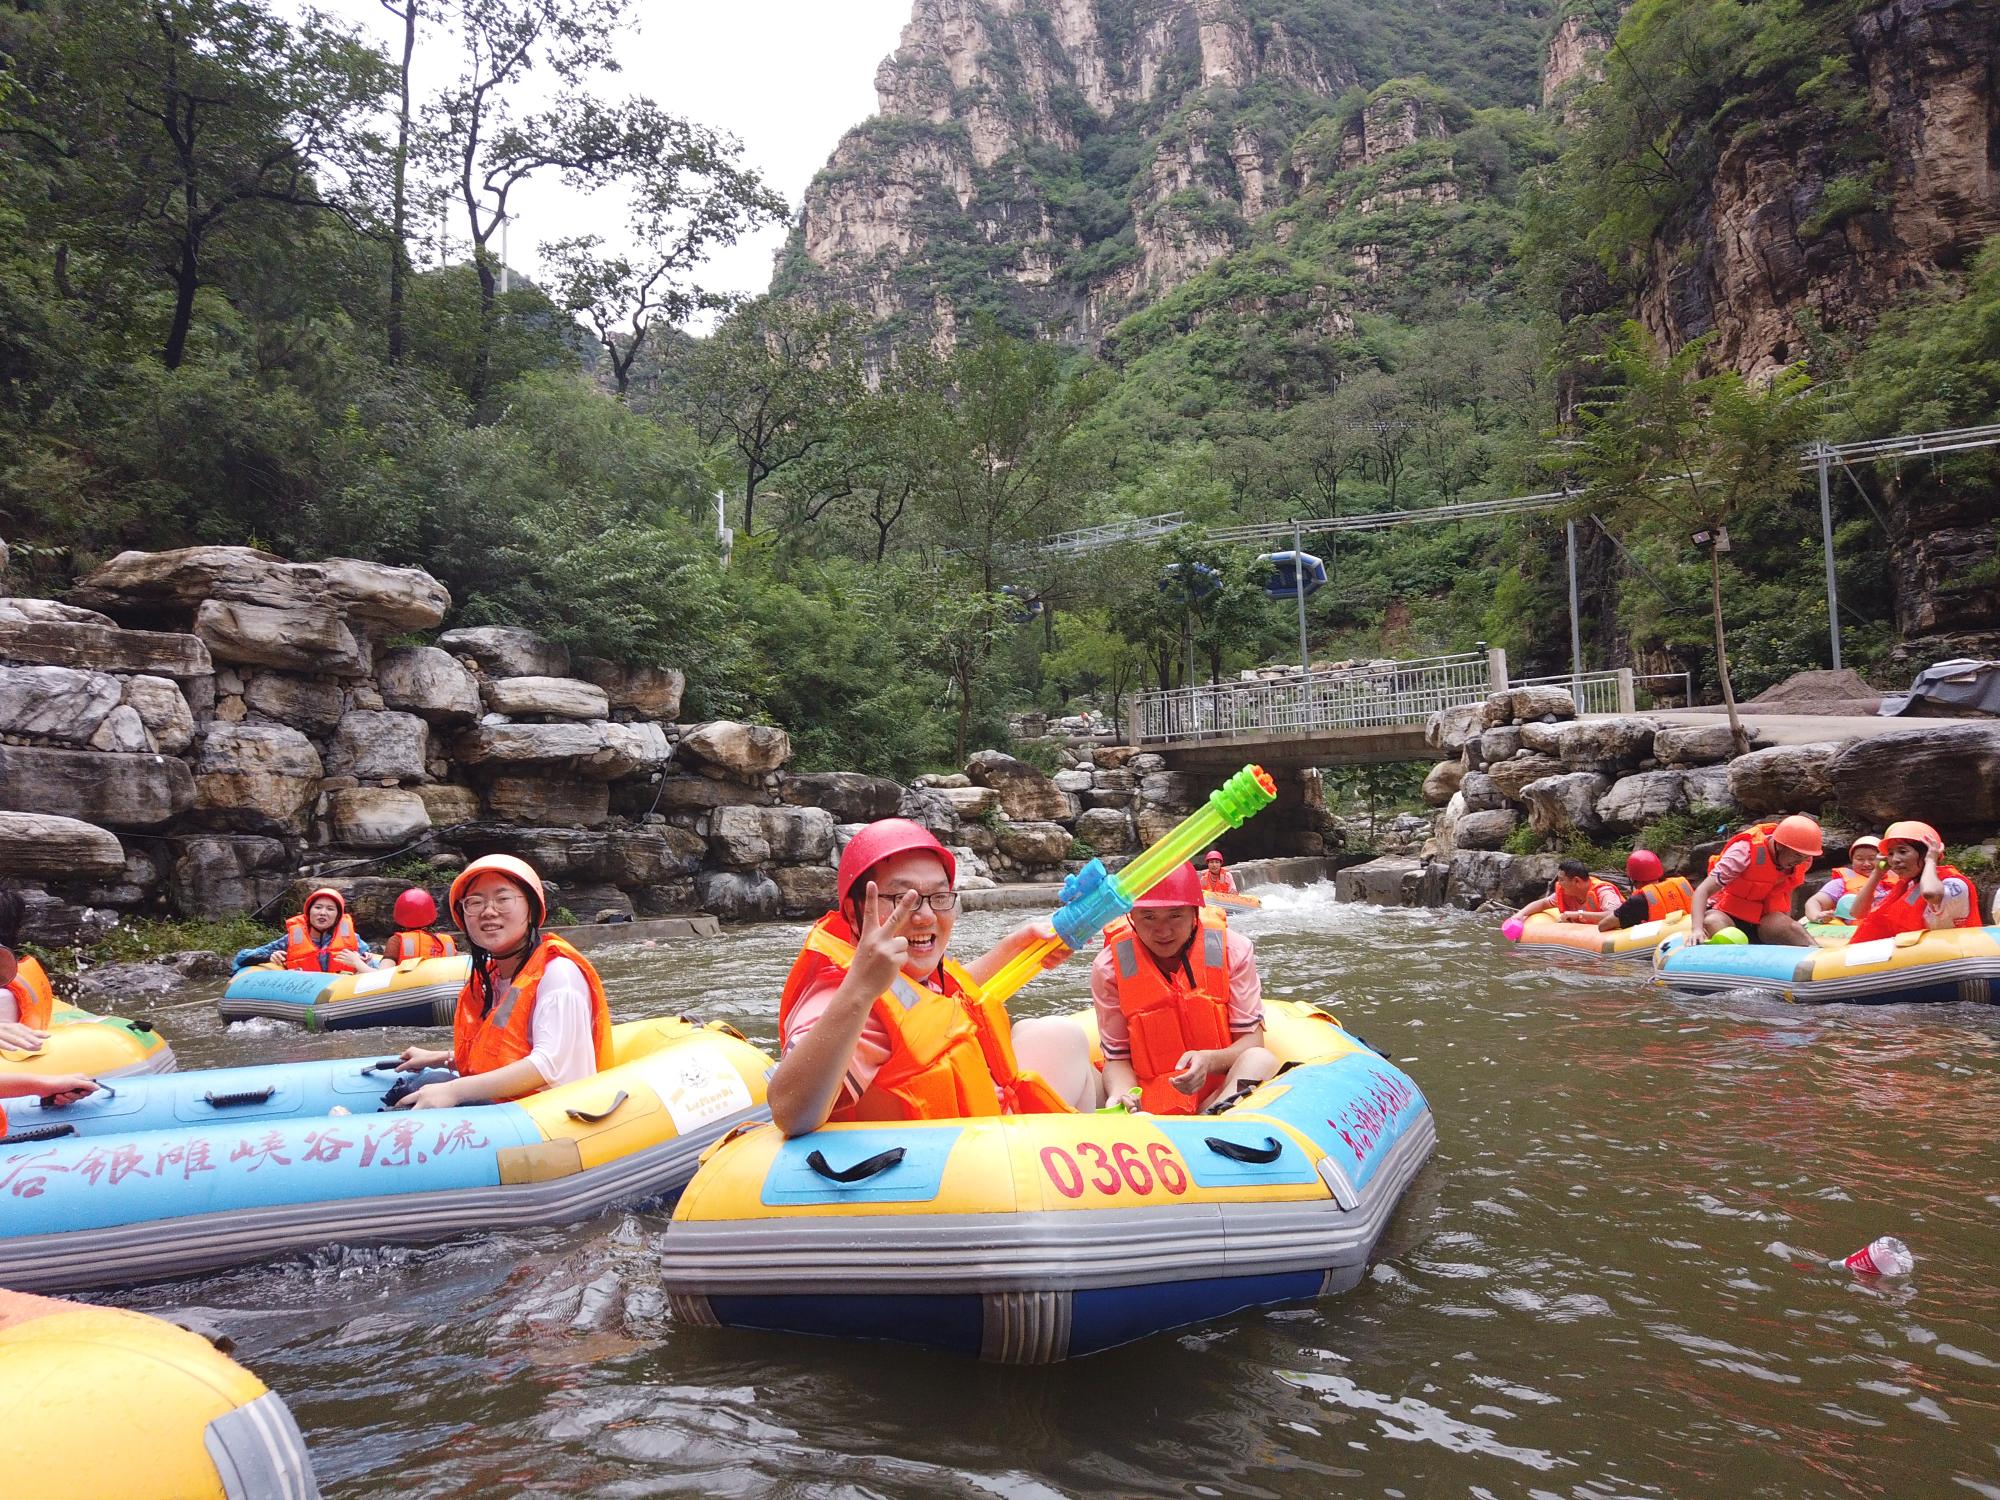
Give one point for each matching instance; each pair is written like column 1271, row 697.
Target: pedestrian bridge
column 1348, row 716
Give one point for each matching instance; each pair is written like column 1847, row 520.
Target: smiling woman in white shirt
column 532, row 1015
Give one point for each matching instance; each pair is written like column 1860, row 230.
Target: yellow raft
column 1545, row 930
column 105, row 1402
column 1232, row 900
column 96, row 1046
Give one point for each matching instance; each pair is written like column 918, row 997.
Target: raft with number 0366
column 96, row 1046
column 200, row 1170
column 1032, row 1238
column 1956, row 963
column 1546, row 930
column 416, row 992
column 105, row 1402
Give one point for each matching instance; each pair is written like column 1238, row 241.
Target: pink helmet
column 1643, row 867
column 1213, row 857
column 877, row 842
column 1182, row 887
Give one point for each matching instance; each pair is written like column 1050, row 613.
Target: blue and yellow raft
column 1034, row 1238
column 199, row 1170
column 98, row 1046
column 1957, row 963
column 416, row 992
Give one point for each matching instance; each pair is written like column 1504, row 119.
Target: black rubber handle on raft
column 589, row 1117
column 376, row 1067
column 38, row 1133
column 880, row 1162
column 248, row 1096
column 1236, row 1151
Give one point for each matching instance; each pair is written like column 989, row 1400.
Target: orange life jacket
column 417, row 942
column 1593, row 899
column 32, row 994
column 484, row 1040
column 1219, row 881
column 1168, row 1015
column 1899, row 907
column 1751, row 895
column 951, row 1053
column 1665, row 897
column 302, row 952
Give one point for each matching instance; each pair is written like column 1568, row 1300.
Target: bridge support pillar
column 1628, row 697
column 1496, row 669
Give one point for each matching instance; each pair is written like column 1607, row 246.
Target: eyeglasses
column 938, row 901
column 472, row 906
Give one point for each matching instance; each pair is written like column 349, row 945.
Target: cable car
column 1205, row 580
column 1286, row 568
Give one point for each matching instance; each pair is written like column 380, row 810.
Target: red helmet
column 1213, row 857
column 877, row 842
column 1182, row 887
column 416, row 908
column 1643, row 867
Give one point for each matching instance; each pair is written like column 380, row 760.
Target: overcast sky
column 785, row 77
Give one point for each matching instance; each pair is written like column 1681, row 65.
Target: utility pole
column 1299, row 587
column 1822, row 455
column 1575, row 627
column 505, row 283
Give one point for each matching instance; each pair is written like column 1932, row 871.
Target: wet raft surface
column 1621, row 1292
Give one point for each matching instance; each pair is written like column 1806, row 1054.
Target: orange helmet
column 517, row 870
column 1912, row 832
column 331, row 894
column 1798, row 833
column 1181, row 887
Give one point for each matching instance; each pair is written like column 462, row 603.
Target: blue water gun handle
column 1091, row 901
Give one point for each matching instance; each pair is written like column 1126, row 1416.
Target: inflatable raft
column 207, row 1169
column 1959, row 963
column 107, row 1402
column 1032, row 1238
column 99, row 1046
column 1545, row 930
column 416, row 992
column 1232, row 901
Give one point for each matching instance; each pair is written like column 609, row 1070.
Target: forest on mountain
column 219, row 322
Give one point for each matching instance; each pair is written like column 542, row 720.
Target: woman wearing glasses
column 532, row 1015
column 877, row 1023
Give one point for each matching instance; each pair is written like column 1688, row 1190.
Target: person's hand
column 15, row 1037
column 350, row 963
column 1032, row 934
column 432, row 1096
column 1697, row 934
column 1130, row 1101
column 882, row 946
column 416, row 1059
column 64, row 1088
column 1192, row 1071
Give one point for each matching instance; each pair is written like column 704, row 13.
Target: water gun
column 1093, row 898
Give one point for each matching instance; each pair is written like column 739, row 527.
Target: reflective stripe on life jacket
column 1169, row 1015
column 302, row 952
column 1756, row 893
column 33, row 997
column 1665, row 897
column 1851, row 880
column 1594, row 898
column 416, row 942
column 1900, row 908
column 485, row 1040
column 951, row 1053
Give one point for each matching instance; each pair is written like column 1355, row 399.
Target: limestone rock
column 1693, row 745
column 745, row 837
column 1145, row 763
column 1113, row 797
column 429, row 682
column 58, row 704
column 313, row 704
column 1524, row 705
column 1444, row 831
column 1784, row 778
column 1105, row 830
column 648, row 692
column 656, row 854
column 1642, row 798
column 1174, row 789
column 583, row 856
column 379, row 746
column 931, row 810
column 739, row 896
column 112, row 791
column 1510, row 776
column 1485, row 830
column 1606, row 744
column 969, row 802
column 123, row 732
column 699, row 793
column 113, row 986
column 740, row 750
column 599, row 751
column 301, row 638
column 374, row 817
column 548, row 799
column 396, row 598
column 104, row 648
column 1557, row 804
column 163, row 709
column 146, row 584
column 850, row 796
column 591, row 904
column 1943, row 773
column 545, row 697
column 1444, row 779
column 1026, row 795
column 669, row 898
column 1505, row 880
column 63, row 924
column 1501, row 743
column 1113, row 757
column 805, row 890
column 1542, row 739
column 449, row 806
column 1708, row 786
column 1073, row 781
column 1393, row 880
column 1480, row 793
column 17, row 611
column 219, row 875
column 1448, row 730
column 256, row 778
column 507, row 651
column 1035, row 843
column 1155, row 823
column 33, row 843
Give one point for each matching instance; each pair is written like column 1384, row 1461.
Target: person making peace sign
column 877, row 1023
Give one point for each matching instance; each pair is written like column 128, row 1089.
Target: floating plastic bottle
column 1513, row 929
column 1887, row 1256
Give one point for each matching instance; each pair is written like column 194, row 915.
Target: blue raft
column 416, row 992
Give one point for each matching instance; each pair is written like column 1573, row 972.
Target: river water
column 1611, row 1281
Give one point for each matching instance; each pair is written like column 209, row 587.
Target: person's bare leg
column 1058, row 1049
column 1780, row 929
column 1716, row 921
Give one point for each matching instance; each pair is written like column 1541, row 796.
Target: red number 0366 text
column 1121, row 1168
